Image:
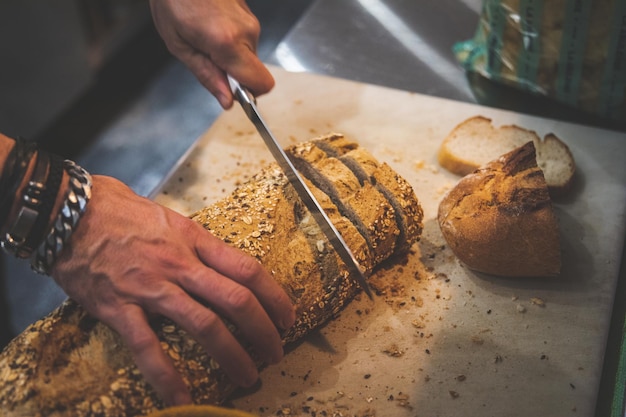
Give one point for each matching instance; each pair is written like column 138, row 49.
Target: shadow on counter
column 494, row 94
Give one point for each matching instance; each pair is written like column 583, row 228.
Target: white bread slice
column 475, row 142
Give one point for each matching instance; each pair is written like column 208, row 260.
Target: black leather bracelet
column 21, row 155
column 13, row 241
column 48, row 198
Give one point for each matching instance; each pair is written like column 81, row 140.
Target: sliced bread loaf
column 70, row 364
column 475, row 142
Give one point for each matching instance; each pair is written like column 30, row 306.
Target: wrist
column 43, row 198
column 74, row 204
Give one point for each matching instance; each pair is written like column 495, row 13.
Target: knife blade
column 248, row 103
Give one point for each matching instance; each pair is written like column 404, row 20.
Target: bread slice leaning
column 70, row 364
column 499, row 219
column 475, row 142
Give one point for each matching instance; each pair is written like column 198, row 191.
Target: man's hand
column 130, row 259
column 214, row 37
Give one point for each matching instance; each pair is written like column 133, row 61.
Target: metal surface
column 400, row 44
column 309, row 200
column 406, row 45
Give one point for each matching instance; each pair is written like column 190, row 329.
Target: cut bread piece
column 499, row 219
column 557, row 163
column 475, row 142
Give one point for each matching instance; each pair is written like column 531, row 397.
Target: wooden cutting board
column 438, row 340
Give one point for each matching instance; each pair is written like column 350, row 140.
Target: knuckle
column 248, row 31
column 207, row 324
column 249, row 269
column 253, row 26
column 240, row 298
column 140, row 341
column 172, row 296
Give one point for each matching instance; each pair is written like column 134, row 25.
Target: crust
column 499, row 220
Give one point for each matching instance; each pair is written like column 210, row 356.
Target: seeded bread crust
column 69, row 364
column 499, row 220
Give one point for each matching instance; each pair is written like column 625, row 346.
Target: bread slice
column 475, row 141
column 499, row 219
column 70, row 364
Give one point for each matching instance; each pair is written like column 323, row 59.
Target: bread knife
column 248, row 103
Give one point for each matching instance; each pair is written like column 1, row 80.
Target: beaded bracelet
column 74, row 206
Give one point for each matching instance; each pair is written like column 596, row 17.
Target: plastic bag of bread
column 570, row 51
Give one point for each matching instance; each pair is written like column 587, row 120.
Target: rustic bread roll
column 475, row 142
column 69, row 364
column 499, row 220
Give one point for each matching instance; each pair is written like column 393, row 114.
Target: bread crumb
column 393, row 351
column 477, row 340
column 418, row 324
column 538, row 302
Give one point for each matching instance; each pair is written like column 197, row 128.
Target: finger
column 241, row 307
column 206, row 327
column 156, row 367
column 242, row 62
column 247, row 69
column 210, row 76
column 248, row 272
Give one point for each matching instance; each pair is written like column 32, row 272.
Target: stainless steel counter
column 406, row 45
column 400, row 44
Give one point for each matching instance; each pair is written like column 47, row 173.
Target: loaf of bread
column 69, row 364
column 499, row 220
column 475, row 142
